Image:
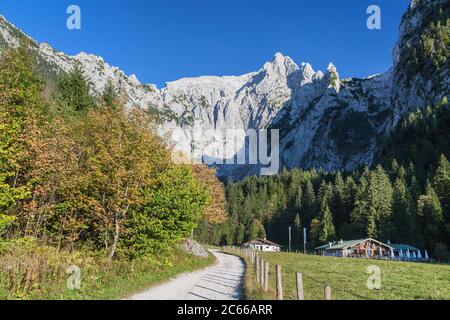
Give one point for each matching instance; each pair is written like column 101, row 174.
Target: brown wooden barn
column 362, row 248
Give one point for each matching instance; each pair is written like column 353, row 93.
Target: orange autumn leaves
column 97, row 177
column 215, row 213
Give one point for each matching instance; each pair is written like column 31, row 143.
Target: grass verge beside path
column 348, row 278
column 39, row 273
column 251, row 289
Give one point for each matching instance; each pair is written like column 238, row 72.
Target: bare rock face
column 419, row 82
column 324, row 121
column 193, row 247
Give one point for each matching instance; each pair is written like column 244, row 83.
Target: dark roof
column 264, row 241
column 348, row 244
column 403, row 247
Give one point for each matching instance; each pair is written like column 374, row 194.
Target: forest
column 84, row 175
column 404, row 197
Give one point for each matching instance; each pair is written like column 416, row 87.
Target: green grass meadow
column 348, row 278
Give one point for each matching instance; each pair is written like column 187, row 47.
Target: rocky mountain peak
column 281, row 66
column 332, row 77
column 324, row 122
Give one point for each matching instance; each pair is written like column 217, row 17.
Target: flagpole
column 289, row 239
column 304, row 240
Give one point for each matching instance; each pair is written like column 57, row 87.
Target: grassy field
column 39, row 273
column 348, row 278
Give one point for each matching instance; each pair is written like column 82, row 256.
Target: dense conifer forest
column 403, row 198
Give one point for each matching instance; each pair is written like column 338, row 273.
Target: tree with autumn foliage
column 215, row 213
column 79, row 173
column 20, row 102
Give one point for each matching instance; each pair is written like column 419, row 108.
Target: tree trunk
column 116, row 237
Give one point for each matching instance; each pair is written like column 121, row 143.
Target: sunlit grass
column 348, row 278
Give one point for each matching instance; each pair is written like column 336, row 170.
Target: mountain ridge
column 324, row 121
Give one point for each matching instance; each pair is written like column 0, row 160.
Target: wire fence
column 263, row 279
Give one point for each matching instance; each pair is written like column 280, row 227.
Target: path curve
column 222, row 281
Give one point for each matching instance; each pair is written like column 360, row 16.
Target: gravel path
column 222, row 281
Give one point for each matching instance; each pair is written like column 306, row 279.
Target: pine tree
column 74, row 90
column 109, row 96
column 327, row 229
column 339, row 202
column 404, row 218
column 299, row 198
column 350, row 194
column 309, row 202
column 430, row 211
column 240, row 234
column 294, row 183
column 441, row 184
column 380, row 204
column 414, row 188
column 359, row 215
column 395, row 170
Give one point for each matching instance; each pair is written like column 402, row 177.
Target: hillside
column 325, row 121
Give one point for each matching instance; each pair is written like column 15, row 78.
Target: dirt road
column 222, row 281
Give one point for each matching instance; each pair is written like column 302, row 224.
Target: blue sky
column 164, row 40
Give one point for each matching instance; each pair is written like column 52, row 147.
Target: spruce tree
column 299, row 198
column 350, row 194
column 361, row 208
column 441, row 184
column 404, row 216
column 380, row 204
column 109, row 96
column 430, row 211
column 240, row 234
column 339, row 202
column 74, row 90
column 327, row 229
column 309, row 202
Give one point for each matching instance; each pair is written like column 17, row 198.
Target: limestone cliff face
column 324, row 121
column 421, row 56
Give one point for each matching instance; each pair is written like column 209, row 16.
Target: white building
column 262, row 245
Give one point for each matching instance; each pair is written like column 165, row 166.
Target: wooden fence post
column 257, row 269
column 261, row 274
column 300, row 293
column 327, row 293
column 266, row 277
column 279, row 284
